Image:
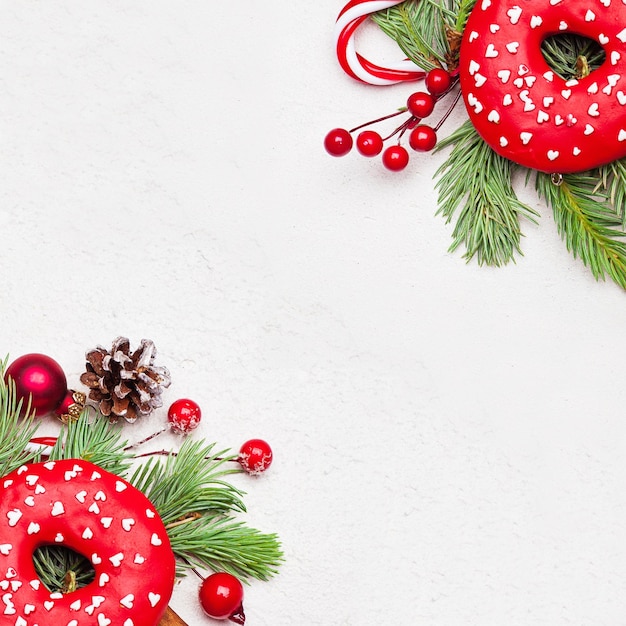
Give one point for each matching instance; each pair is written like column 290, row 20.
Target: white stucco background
column 449, row 439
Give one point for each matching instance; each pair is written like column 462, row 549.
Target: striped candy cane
column 354, row 13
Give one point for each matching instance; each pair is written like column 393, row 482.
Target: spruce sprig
column 476, row 182
column 589, row 224
column 419, row 29
column 189, row 481
column 612, row 178
column 221, row 543
column 94, row 439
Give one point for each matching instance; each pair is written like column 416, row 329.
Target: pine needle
column 223, row 544
column 588, row 223
column 476, row 183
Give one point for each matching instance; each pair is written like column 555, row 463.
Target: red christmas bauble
column 184, row 415
column 255, row 456
column 39, row 378
column 221, row 597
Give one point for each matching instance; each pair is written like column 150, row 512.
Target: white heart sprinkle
column 590, row 16
column 549, row 76
column 621, row 97
column 622, row 35
column 553, row 154
column 21, row 469
column 97, row 600
column 11, row 573
column 95, row 559
column 507, row 100
column 512, row 46
column 35, row 584
column 563, row 25
column 473, row 67
column 100, row 496
column 49, row 465
column 94, row 508
column 81, row 496
column 106, row 521
column 29, row 501
column 593, row 88
column 514, row 14
column 87, row 533
column 4, row 584
column 117, row 559
column 535, row 21
column 519, row 82
column 613, row 79
column 28, row 609
column 504, row 75
column 16, row 584
column 104, row 579
column 20, row 621
column 530, row 80
column 485, row 4
column 128, row 601
column 576, row 151
column 33, row 528
column 493, row 116
column 90, row 609
column 8, row 482
column 622, row 135
column 48, row 604
column 522, row 70
column 593, row 109
column 479, row 79
column 57, row 509
column 566, row 93
column 128, row 523
column 5, row 548
column 603, row 39
column 129, row 622
column 31, row 479
column 95, row 475
column 14, row 516
column 615, row 57
column 120, row 486
column 525, row 137
column 73, row 622
column 547, row 101
column 155, row 540
column 504, row 142
column 491, row 52
column 39, row 489
column 529, row 106
column 589, row 129
column 149, row 512
column 154, row 598
column 75, row 606
column 139, row 559
column 494, row 28
column 103, row 620
column 473, row 36
column 59, row 538
column 69, row 474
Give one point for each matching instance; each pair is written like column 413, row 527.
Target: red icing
column 529, row 114
column 80, row 505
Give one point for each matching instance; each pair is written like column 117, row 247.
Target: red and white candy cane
column 353, row 14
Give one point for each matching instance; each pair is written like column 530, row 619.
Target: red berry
column 369, row 143
column 423, row 138
column 221, row 596
column 184, row 415
column 255, row 456
column 437, row 81
column 395, row 158
column 338, row 142
column 420, row 104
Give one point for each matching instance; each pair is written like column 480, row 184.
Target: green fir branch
column 475, row 183
column 612, row 178
column 419, row 29
column 190, row 481
column 222, row 544
column 95, row 440
column 588, row 223
column 571, row 55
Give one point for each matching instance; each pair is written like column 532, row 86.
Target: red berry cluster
column 422, row 137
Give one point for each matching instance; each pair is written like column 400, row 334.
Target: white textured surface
column 449, row 440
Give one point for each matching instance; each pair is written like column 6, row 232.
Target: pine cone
column 124, row 384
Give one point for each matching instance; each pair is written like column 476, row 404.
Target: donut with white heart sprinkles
column 521, row 107
column 78, row 505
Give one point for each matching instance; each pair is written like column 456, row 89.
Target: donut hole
column 62, row 569
column 572, row 56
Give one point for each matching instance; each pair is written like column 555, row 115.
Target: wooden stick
column 171, row 619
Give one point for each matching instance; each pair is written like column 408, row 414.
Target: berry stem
column 401, row 129
column 446, row 115
column 380, row 119
column 145, row 440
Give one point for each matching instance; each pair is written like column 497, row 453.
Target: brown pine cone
column 125, row 384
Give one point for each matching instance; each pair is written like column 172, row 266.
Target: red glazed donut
column 79, row 505
column 524, row 110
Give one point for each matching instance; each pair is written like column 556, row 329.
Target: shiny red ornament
column 221, row 597
column 369, row 143
column 184, row 415
column 39, row 378
column 255, row 456
column 423, row 138
column 420, row 104
column 438, row 81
